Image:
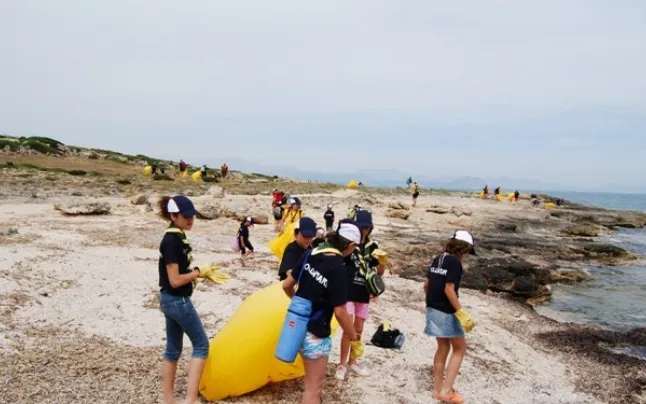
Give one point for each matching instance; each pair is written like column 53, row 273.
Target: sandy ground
column 79, row 319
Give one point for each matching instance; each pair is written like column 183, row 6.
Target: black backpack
column 391, row 338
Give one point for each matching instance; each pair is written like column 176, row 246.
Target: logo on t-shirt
column 316, row 275
column 437, row 271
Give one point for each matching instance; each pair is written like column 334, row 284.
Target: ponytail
column 162, row 204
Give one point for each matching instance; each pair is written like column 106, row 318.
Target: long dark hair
column 163, row 208
column 457, row 247
column 335, row 240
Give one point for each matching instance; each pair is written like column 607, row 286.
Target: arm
column 453, row 298
column 289, row 284
column 175, row 279
column 426, row 283
column 381, row 269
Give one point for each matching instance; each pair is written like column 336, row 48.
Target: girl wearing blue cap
column 176, row 279
column 358, row 263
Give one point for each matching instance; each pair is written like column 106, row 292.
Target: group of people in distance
column 328, row 269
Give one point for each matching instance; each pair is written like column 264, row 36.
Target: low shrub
column 124, row 182
column 77, row 172
column 160, row 177
column 211, row 179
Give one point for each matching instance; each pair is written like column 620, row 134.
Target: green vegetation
column 159, row 177
column 77, row 172
column 124, row 182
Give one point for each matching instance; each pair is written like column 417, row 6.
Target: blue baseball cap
column 182, row 205
column 307, row 227
column 363, row 219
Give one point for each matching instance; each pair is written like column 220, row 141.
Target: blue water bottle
column 294, row 329
column 295, row 325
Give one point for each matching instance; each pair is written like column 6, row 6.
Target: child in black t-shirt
column 324, row 282
column 446, row 320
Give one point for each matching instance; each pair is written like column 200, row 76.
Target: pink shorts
column 357, row 309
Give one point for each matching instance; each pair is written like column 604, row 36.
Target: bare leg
column 314, row 378
column 358, row 327
column 168, row 381
column 345, row 349
column 195, row 369
column 439, row 362
column 459, row 346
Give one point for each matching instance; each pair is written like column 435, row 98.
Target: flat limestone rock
column 84, row 209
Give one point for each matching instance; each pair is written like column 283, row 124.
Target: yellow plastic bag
column 241, row 356
column 353, row 184
column 197, row 176
column 549, row 205
column 510, row 197
column 499, row 197
column 278, row 244
column 483, row 195
column 148, row 170
column 184, row 173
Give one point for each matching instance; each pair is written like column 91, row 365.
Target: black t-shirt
column 173, row 251
column 357, row 291
column 325, row 284
column 244, row 232
column 291, row 258
column 329, row 218
column 439, row 274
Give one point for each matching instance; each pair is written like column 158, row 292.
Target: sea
column 616, row 298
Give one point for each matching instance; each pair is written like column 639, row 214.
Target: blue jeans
column 181, row 317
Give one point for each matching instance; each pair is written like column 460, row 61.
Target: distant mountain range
column 395, row 178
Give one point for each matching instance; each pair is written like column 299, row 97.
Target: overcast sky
column 551, row 90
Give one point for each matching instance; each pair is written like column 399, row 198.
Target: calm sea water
column 616, row 299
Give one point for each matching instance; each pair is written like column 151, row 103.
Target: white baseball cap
column 467, row 237
column 350, row 232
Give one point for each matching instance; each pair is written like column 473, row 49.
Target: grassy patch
column 40, row 147
column 159, row 177
column 13, row 145
column 124, row 182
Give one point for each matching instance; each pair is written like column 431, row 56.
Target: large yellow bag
column 499, row 197
column 197, row 176
column 353, row 184
column 148, row 170
column 184, row 173
column 241, row 356
column 510, row 197
column 278, row 244
column 483, row 195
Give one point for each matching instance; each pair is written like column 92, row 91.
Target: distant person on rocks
column 446, row 319
column 154, row 168
column 204, row 171
column 304, row 233
column 415, row 192
column 409, row 181
column 294, row 212
column 243, row 239
column 224, row 170
column 516, row 195
column 182, row 166
column 559, row 202
column 353, row 212
column 328, row 216
column 176, row 279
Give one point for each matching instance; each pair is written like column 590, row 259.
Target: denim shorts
column 315, row 347
column 181, row 317
column 442, row 325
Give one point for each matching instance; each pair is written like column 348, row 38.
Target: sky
column 548, row 90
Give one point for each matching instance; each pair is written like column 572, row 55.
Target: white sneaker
column 359, row 370
column 341, row 371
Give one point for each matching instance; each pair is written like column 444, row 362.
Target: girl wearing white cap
column 323, row 279
column 446, row 319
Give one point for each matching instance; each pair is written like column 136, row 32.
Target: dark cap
column 307, row 227
column 363, row 219
column 182, row 205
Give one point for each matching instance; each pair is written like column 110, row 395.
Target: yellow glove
column 465, row 319
column 207, row 270
column 356, row 349
column 381, row 255
column 215, row 276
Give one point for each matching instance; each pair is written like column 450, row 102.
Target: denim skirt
column 442, row 325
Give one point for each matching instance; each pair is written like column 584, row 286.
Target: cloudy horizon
column 546, row 90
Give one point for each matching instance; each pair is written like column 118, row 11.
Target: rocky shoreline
column 522, row 252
